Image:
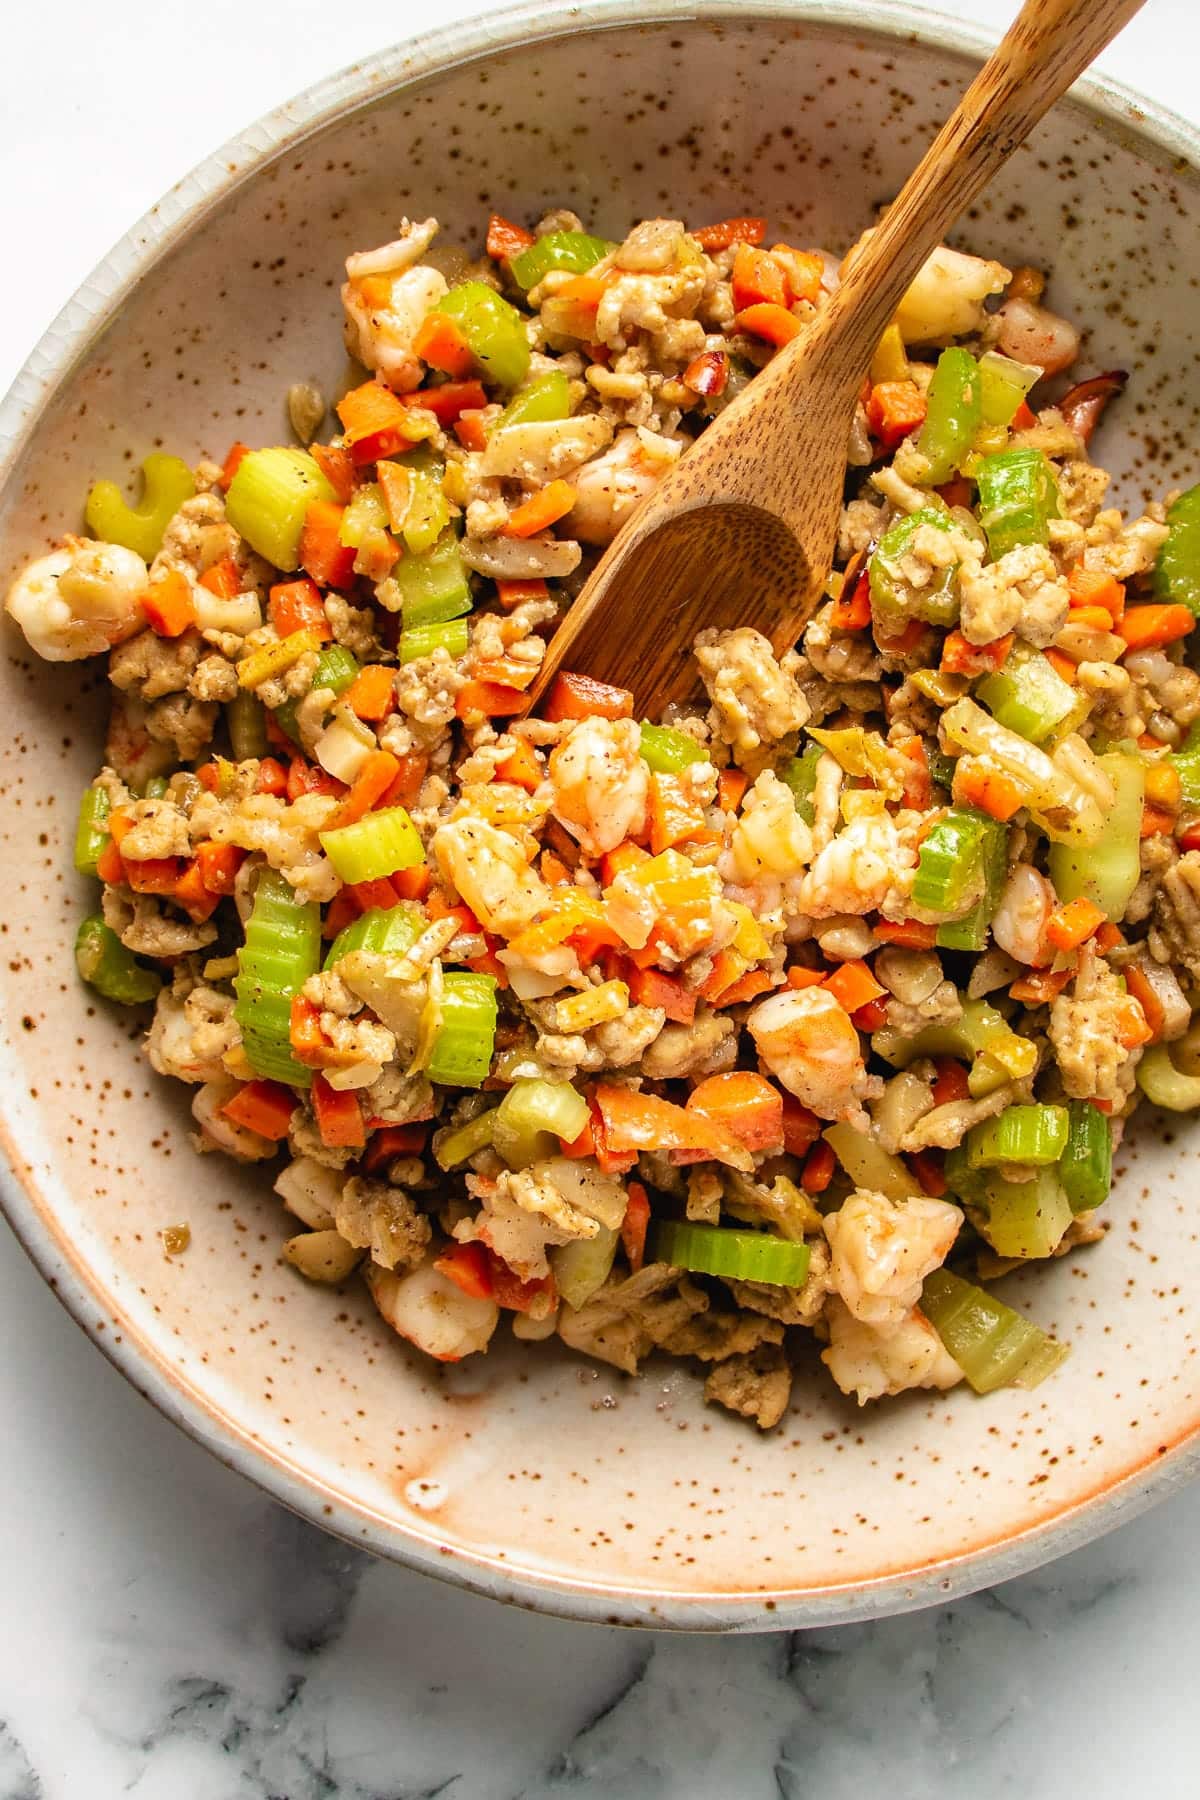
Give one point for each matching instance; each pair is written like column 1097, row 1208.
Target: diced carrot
column 1108, row 937
column 949, row 1081
column 381, row 892
column 322, row 552
column 651, row 987
column 871, row 1017
column 801, row 1128
column 756, row 280
column 909, row 640
column 1143, row 626
column 819, row 1170
column 707, row 374
column 918, row 783
column 262, row 1106
column 368, row 788
column 584, row 1144
column 219, row 864
column 304, row 1033
column 372, row 693
column 727, row 232
column 224, row 579
column 991, row 790
column 625, row 856
column 440, row 343
column 800, row 977
column 505, row 240
column 1062, row 665
column 1133, row 1028
column 469, row 1267
column 449, row 399
column 1024, row 417
column 635, row 1224
column 508, row 1290
column 1189, row 837
column 412, row 884
column 1073, row 923
column 376, row 290
column 581, row 697
column 338, row 1114
column 375, row 421
column 1138, row 984
column 926, row 1165
column 168, row 605
column 641, row 1121
column 152, row 874
column 853, row 985
column 470, row 428
column 803, row 272
column 521, row 767
column 731, row 787
column 337, row 466
column 955, row 492
column 489, row 700
column 853, row 613
column 512, row 594
column 390, row 1141
column 231, row 465
column 894, row 409
column 774, row 324
column 440, row 906
column 190, row 892
column 1088, row 588
column 1040, row 986
column 298, row 606
column 583, row 292
column 540, row 511
column 340, row 912
column 1093, row 618
column 912, row 934
column 110, row 866
column 746, row 1104
column 1156, row 820
column 309, row 778
column 747, row 987
column 675, row 818
column 271, row 777
column 410, row 777
column 962, row 658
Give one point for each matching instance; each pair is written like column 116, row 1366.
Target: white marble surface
column 167, row 1633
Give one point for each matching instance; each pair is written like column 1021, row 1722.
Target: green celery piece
column 1025, row 1219
column 869, row 1165
column 800, row 774
column 247, row 724
column 1186, row 760
column 992, row 1345
column 1003, row 385
column 941, row 768
column 584, row 1265
column 285, row 717
column 574, row 251
column 428, row 511
column 893, row 602
column 91, row 833
column 951, row 866
column 154, row 788
column 535, row 1118
column 268, row 498
column 1107, row 872
column 462, row 1049
column 982, row 1033
column 964, row 1182
column 971, row 931
column 433, row 587
column 422, row 640
column 336, row 668
column 493, row 328
column 542, row 400
column 379, row 844
column 463, row 1141
column 668, row 751
column 1085, row 1167
column 1029, row 696
column 105, row 964
column 954, row 414
column 381, row 932
column 1018, row 496
column 282, row 949
column 1177, row 571
column 166, row 483
column 737, row 1255
column 1164, row 1085
column 1035, row 1134
column 365, row 516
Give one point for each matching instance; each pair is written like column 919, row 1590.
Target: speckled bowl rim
column 50, row 366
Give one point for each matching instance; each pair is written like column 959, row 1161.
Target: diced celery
column 1018, row 496
column 573, row 251
column 869, row 1165
column 545, row 398
column 1030, row 697
column 981, row 1033
column 1003, row 385
column 154, row 788
column 1109, row 871
column 106, row 964
column 970, row 932
column 1186, row 761
column 951, row 865
column 736, row 1255
column 91, row 832
column 433, row 587
column 1164, row 1085
column 166, row 483
column 894, row 601
column 1033, row 1134
column 493, row 328
column 364, row 518
column 668, row 751
column 336, row 668
column 583, row 1266
column 273, row 659
column 417, row 641
column 268, row 498
column 247, row 723
column 992, row 1345
column 941, row 768
column 374, row 846
column 964, row 1182
column 534, row 1116
column 1024, row 1218
column 381, row 932
column 800, row 774
column 1085, row 1168
column 1177, row 571
column 953, row 416
column 463, row 1141
column 282, row 949
column 462, row 1049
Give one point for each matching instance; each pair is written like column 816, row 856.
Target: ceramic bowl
column 530, row 1475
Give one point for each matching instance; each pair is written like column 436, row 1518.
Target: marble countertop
column 168, row 1633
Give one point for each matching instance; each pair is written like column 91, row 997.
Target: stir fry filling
column 794, row 1014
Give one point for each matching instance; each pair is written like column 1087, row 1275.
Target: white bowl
column 530, row 1475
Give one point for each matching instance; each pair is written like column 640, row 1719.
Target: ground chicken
column 287, row 835
column 757, row 1386
column 714, row 1336
column 143, row 927
column 1158, row 854
column 1081, row 488
column 941, row 1007
column 1175, row 932
column 1084, row 1022
column 426, row 691
column 756, row 701
column 840, row 655
column 1114, row 548
column 148, row 666
column 159, row 829
column 1168, row 687
column 374, row 1216
column 213, row 678
column 1022, row 592
column 353, row 627
column 791, row 1306
column 183, row 724
column 198, row 536
column 704, row 1047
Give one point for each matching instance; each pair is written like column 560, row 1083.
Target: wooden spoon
column 742, row 531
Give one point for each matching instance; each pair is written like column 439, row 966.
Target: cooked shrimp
column 867, row 865
column 432, row 1312
column 489, row 870
column 79, row 601
column 1020, row 921
column 1031, row 334
column 381, row 336
column 219, row 1133
column 390, row 259
column 609, row 487
column 869, row 1363
column 600, row 783
column 809, row 1041
column 189, row 1037
column 883, row 1250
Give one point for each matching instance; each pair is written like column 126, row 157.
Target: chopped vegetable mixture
column 791, row 1016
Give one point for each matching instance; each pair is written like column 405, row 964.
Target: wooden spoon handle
column 1049, row 44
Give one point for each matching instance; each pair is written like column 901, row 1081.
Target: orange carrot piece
column 219, row 864
column 1163, row 786
column 774, row 324
column 652, row 987
column 368, row 788
column 675, row 818
column 894, row 409
column 152, row 874
column 371, row 414
column 505, row 240
column 819, row 1170
column 1062, row 665
column 1040, row 986
column 322, row 552
column 1093, row 618
column 470, row 428
column 449, row 400
column 1073, row 923
column 582, row 697
column 853, row 613
column 337, row 466
column 224, row 579
column 390, row 1141
column 746, row 1104
column 110, row 866
column 338, row 1114
column 372, row 693
column 801, row 1128
column 800, row 977
column 1156, row 820
column 615, row 862
column 962, row 658
column 231, row 465
column 412, row 884
column 262, row 1106
column 489, row 700
column 949, row 1082
column 512, row 594
column 1143, row 626
column 540, row 511
column 1133, row 1027
column 756, row 279
column 469, row 1267
column 1024, row 417
column 521, row 767
column 168, row 605
column 635, row 1224
column 853, row 985
column 990, row 790
column 440, row 343
column 1140, row 987
column 641, row 1121
column 926, row 1165
column 803, row 272
column 747, row 987
column 727, row 232
column 191, row 894
column 298, row 606
column 1108, row 937
column 1088, row 588
column 912, row 934
column 731, row 787
column 871, row 1017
